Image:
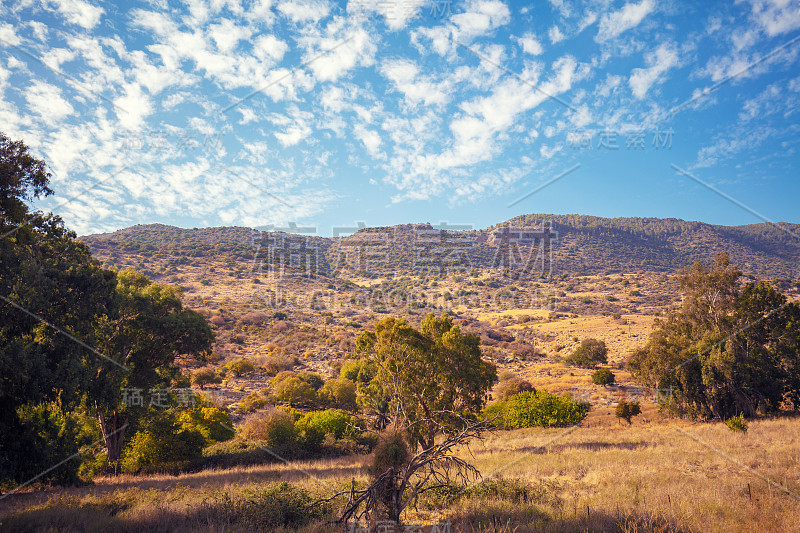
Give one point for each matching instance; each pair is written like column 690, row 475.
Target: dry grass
column 673, row 476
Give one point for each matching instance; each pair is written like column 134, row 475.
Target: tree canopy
column 729, row 349
column 425, row 375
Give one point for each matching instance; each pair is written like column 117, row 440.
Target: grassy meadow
column 664, row 475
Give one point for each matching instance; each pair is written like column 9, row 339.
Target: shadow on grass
column 594, row 446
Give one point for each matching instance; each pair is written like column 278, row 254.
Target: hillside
column 582, row 245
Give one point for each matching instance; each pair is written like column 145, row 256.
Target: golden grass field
column 664, row 475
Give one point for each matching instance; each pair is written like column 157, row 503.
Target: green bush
column 332, row 422
column 214, row 424
column 275, row 428
column 627, row 410
column 252, row 402
column 737, row 423
column 357, row 371
column 312, row 378
column 392, row 451
column 240, row 366
column 295, row 392
column 540, row 408
column 590, row 353
column 603, row 377
column 339, row 393
column 162, row 445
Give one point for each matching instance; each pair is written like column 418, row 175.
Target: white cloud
column 304, row 10
column 133, row 107
column 46, row 101
column 555, row 35
column 370, row 138
column 630, row 16
column 347, row 47
column 396, row 14
column 269, row 47
column 405, row 76
column 8, row 35
column 480, row 17
column 78, row 12
column 659, row 62
column 530, row 45
column 226, row 34
column 776, row 16
column 295, row 126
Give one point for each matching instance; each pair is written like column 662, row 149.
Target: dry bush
column 254, row 317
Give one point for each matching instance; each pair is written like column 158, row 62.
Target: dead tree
column 397, row 488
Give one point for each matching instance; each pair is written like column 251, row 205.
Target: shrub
column 275, row 428
column 252, row 402
column 162, row 445
column 509, row 387
column 340, row 393
column 332, row 422
column 214, row 424
column 590, row 353
column 278, row 506
column 279, row 315
column 627, row 410
column 540, row 408
column 278, row 363
column 254, row 317
column 240, row 366
column 312, row 378
column 205, row 376
column 603, row 377
column 295, row 392
column 737, row 423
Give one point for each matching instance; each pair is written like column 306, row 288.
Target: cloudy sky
column 329, row 114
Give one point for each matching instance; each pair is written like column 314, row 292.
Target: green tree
column 51, row 295
column 730, row 349
column 590, row 353
column 603, row 377
column 627, row 410
column 147, row 334
column 425, row 376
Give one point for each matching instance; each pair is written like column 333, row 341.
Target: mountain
column 573, row 244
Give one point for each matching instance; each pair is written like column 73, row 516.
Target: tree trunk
column 113, row 429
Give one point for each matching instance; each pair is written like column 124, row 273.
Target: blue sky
column 326, row 114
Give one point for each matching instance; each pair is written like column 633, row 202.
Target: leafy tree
column 730, row 349
column 148, row 332
column 590, row 353
column 425, row 376
column 603, row 377
column 627, row 410
column 51, row 295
